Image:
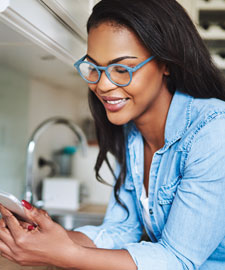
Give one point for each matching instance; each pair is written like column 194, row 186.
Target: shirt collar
column 178, row 121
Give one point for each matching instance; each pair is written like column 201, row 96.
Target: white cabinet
column 44, row 27
column 209, row 17
column 211, row 26
column 73, row 12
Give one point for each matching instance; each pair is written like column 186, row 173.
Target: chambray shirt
column 186, row 193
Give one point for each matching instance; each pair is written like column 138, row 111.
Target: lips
column 115, row 101
column 114, row 104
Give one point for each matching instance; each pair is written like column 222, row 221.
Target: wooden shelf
column 213, row 33
column 213, row 5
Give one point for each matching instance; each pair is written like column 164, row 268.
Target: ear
column 166, row 71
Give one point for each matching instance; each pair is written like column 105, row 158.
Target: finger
column 7, row 257
column 9, row 216
column 4, row 249
column 39, row 217
column 27, row 226
column 6, row 213
column 6, row 237
column 2, row 223
column 45, row 213
column 24, row 224
column 11, row 222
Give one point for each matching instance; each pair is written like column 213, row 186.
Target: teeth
column 116, row 101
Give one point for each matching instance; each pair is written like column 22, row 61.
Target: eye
column 91, row 69
column 120, row 69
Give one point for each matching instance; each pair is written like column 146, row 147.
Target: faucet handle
column 39, row 204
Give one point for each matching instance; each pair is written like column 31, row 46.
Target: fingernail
column 26, row 204
column 30, row 228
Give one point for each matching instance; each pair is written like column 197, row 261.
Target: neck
column 152, row 123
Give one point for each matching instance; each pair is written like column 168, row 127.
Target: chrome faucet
column 32, row 144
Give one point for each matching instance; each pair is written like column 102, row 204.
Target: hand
column 46, row 244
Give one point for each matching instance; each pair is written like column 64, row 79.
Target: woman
column 157, row 101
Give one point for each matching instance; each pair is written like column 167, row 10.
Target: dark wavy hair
column 167, row 31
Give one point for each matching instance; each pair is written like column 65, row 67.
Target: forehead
column 108, row 41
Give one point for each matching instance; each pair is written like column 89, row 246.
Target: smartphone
column 10, row 202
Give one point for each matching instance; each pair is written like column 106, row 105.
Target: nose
column 104, row 84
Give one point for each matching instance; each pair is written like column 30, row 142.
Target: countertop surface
column 93, row 208
column 85, row 209
column 8, row 265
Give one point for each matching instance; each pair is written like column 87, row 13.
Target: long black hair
column 167, row 31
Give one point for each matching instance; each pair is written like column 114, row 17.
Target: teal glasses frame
column 100, row 69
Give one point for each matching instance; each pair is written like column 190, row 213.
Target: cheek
column 151, row 79
column 145, row 87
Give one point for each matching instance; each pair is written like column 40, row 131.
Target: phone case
column 10, row 202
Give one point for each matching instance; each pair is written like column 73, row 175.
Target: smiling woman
column 158, row 105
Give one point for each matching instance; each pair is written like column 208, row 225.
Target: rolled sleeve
column 110, row 236
column 154, row 256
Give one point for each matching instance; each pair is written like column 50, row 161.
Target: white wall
column 14, row 95
column 83, row 170
column 48, row 101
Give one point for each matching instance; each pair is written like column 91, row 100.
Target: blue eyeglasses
column 118, row 74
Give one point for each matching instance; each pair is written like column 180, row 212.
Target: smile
column 114, row 104
column 115, row 101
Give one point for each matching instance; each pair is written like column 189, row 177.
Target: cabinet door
column 35, row 21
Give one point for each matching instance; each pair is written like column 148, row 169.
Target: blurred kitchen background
column 39, row 42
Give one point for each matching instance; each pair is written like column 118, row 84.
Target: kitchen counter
column 91, row 209
column 8, row 265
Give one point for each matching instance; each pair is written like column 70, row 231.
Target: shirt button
column 150, row 211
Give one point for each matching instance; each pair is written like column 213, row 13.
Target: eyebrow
column 114, row 60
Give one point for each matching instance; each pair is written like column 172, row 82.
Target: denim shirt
column 186, row 193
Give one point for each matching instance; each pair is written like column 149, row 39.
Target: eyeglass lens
column 118, row 74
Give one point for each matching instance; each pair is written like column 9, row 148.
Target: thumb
column 39, row 217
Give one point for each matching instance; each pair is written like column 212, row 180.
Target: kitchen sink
column 71, row 222
column 86, row 215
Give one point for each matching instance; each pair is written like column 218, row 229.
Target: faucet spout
column 32, row 145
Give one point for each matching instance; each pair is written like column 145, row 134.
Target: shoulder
column 204, row 139
column 203, row 143
column 207, row 120
column 206, row 109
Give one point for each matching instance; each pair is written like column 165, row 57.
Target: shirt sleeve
column 118, row 227
column 196, row 223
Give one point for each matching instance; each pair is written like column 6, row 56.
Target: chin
column 117, row 120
